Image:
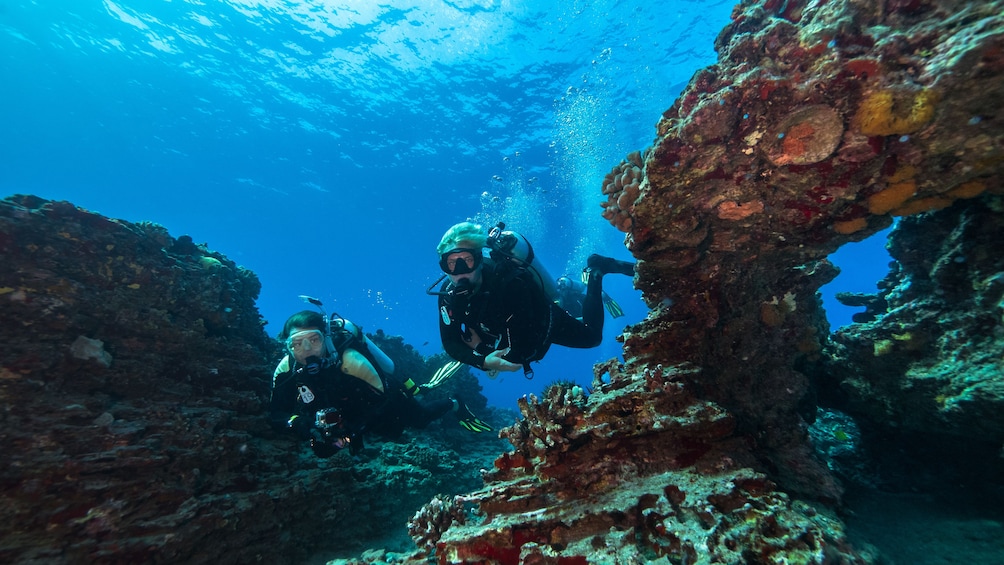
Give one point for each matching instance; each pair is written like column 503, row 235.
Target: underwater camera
column 327, row 418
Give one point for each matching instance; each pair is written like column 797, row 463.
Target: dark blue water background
column 328, row 145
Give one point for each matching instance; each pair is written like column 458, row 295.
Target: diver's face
column 305, row 342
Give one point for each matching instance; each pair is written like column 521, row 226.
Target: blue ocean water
column 327, row 145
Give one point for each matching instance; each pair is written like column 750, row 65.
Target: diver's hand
column 321, row 446
column 494, row 361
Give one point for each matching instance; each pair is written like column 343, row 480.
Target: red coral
column 790, row 10
column 863, row 67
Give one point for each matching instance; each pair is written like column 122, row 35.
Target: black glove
column 322, row 447
column 355, row 444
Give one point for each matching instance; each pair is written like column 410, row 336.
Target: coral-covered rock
column 848, row 114
column 135, row 375
column 640, row 469
column 819, row 123
column 929, row 362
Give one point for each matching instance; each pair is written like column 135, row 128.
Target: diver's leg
column 572, row 332
column 607, row 265
column 592, row 304
column 420, row 414
column 597, row 266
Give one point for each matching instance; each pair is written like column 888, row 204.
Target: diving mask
column 306, row 340
column 460, row 261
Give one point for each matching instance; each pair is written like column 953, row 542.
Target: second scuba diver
column 496, row 314
column 572, row 295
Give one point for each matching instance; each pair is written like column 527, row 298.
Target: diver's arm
column 456, row 347
column 282, row 408
column 495, row 361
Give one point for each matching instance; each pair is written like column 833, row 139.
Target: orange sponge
column 970, row 189
column 850, row 226
column 892, row 197
column 922, row 205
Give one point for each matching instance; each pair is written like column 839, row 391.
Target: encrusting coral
column 805, row 136
column 638, row 469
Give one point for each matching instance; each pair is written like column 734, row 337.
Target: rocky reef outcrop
column 926, row 370
column 135, row 375
column 820, row 123
column 640, row 471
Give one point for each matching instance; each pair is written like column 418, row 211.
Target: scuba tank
column 385, row 363
column 507, row 245
column 352, row 332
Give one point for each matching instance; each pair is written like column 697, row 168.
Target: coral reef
column 927, row 358
column 642, row 469
column 819, row 123
column 135, row 375
column 622, row 185
column 136, row 392
column 735, row 217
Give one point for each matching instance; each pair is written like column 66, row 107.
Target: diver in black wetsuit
column 334, row 386
column 572, row 294
column 494, row 312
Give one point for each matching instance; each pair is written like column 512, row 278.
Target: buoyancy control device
column 507, row 245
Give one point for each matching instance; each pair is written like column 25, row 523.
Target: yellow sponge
column 889, row 112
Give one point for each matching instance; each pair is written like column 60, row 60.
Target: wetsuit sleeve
column 453, row 338
column 282, row 405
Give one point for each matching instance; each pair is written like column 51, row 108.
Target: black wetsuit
column 510, row 309
column 571, row 300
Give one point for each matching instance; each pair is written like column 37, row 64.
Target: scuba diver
column 334, row 385
column 498, row 313
column 572, row 295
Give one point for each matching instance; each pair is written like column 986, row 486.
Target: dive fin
column 443, row 373
column 469, row 421
column 611, row 305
